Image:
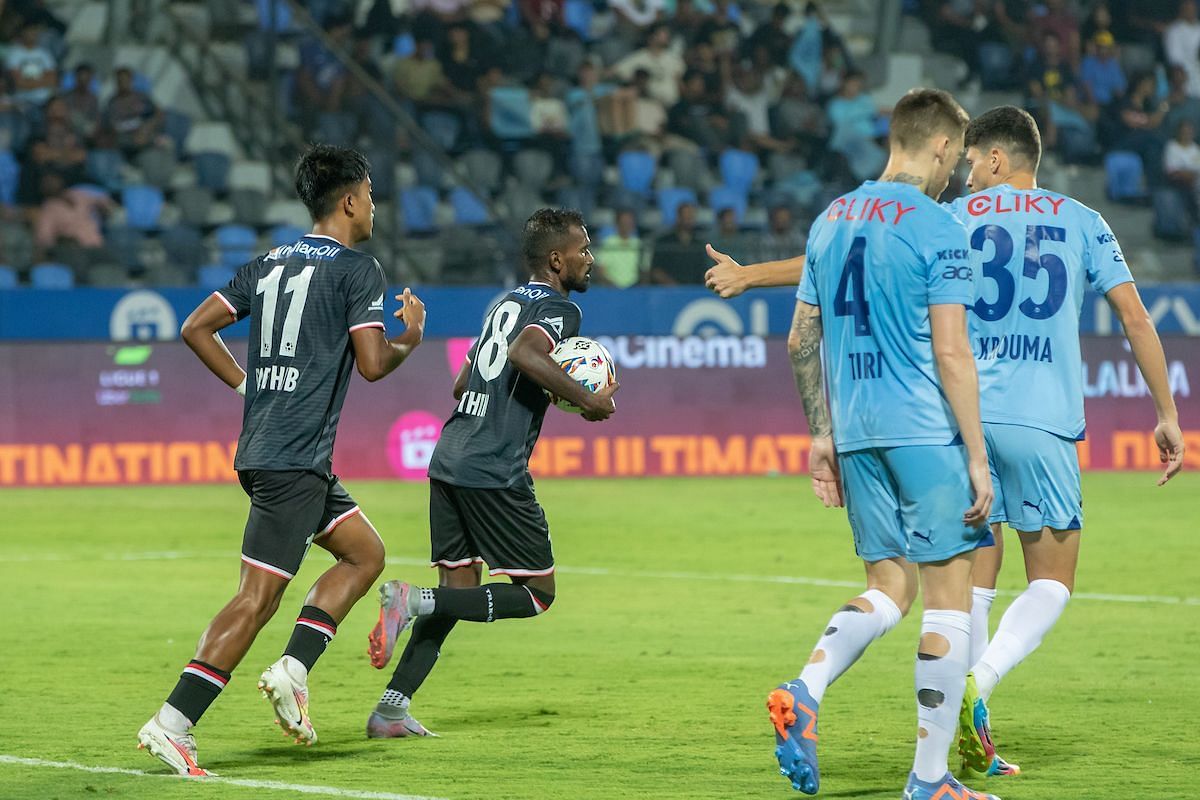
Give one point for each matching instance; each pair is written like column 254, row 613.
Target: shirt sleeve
column 557, row 318
column 951, row 275
column 1106, row 267
column 365, row 288
column 238, row 294
column 807, row 290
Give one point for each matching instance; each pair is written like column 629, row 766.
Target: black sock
column 420, row 654
column 487, row 603
column 198, row 686
column 314, row 630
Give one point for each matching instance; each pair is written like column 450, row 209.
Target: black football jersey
column 488, row 439
column 303, row 300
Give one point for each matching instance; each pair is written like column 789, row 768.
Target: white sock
column 981, row 606
column 1021, row 630
column 849, row 632
column 173, row 719
column 297, row 671
column 420, row 602
column 940, row 683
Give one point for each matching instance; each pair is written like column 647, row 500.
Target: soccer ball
column 585, row 361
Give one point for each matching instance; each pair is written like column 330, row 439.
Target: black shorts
column 288, row 510
column 504, row 527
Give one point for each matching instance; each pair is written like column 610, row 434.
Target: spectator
column 852, row 117
column 548, row 118
column 662, row 64
column 1141, row 116
column 801, row 120
column 31, row 67
column 1054, row 17
column 964, row 25
column 619, row 256
column 132, row 116
column 649, row 116
column 1181, row 44
column 55, row 150
column 82, row 104
column 679, row 255
column 1181, row 105
column 728, row 237
column 698, row 119
column 70, row 215
column 463, row 59
column 543, row 17
column 1101, row 73
column 772, row 36
column 320, row 82
column 783, row 238
column 1181, row 162
column 1054, row 99
column 633, row 15
column 420, row 79
column 807, row 50
column 1099, row 21
column 746, row 95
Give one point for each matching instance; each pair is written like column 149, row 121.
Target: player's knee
column 258, row 603
column 372, row 561
column 542, row 600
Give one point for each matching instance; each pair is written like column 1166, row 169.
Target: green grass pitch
column 646, row 680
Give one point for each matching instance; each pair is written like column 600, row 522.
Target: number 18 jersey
column 488, row 439
column 877, row 258
column 1038, row 250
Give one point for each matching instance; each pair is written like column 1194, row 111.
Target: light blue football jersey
column 877, row 258
column 1037, row 249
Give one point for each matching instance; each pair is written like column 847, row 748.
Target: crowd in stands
column 672, row 123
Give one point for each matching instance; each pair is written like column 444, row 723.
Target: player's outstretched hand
column 726, row 277
column 601, row 405
column 1169, row 439
column 411, row 312
column 826, row 477
column 981, row 485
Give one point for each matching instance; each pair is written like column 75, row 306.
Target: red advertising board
column 92, row 413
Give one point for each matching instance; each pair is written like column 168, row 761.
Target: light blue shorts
column 908, row 502
column 1036, row 477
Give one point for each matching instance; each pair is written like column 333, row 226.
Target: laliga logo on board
column 142, row 315
column 410, row 444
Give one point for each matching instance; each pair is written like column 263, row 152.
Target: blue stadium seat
column 468, row 210
column 1125, row 176
column 125, row 245
column 727, row 197
column 404, row 45
column 10, row 177
column 283, row 15
column 510, row 112
column 104, row 167
column 285, row 234
column 177, row 125
column 738, row 168
column 8, row 277
column 143, row 206
column 637, row 169
column 577, row 14
column 669, row 201
column 417, row 207
column 212, row 171
column 52, row 276
column 214, row 276
column 184, row 245
column 236, row 237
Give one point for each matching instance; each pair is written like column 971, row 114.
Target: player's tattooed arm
column 804, row 347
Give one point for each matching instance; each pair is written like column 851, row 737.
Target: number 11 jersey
column 488, row 439
column 877, row 258
column 1037, row 250
column 304, row 300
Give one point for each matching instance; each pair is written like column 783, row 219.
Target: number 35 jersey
column 877, row 258
column 303, row 299
column 488, row 439
column 1037, row 250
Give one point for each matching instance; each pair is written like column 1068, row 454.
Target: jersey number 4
column 1035, row 263
column 268, row 287
column 850, row 300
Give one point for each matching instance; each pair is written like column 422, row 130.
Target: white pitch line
column 797, row 580
column 279, row 786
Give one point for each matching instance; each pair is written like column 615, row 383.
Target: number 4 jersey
column 303, row 300
column 488, row 439
column 877, row 258
column 1037, row 250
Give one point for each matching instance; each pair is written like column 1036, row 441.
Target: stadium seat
column 184, row 245
column 996, row 63
column 52, row 276
column 468, row 210
column 417, row 207
column 251, row 175
column 104, row 167
column 580, row 198
column 157, row 165
column 143, row 206
column 577, row 14
column 212, row 171
column 236, row 237
column 10, row 178
column 107, row 275
column 484, row 169
column 510, row 112
column 637, row 169
column 534, row 168
column 728, row 197
column 194, row 203
column 124, row 246
column 1172, row 219
column 214, row 276
column 669, row 201
column 282, row 12
column 564, row 56
column 287, row 212
column 738, row 169
column 442, row 127
column 212, row 137
column 8, row 277
column 1125, row 176
column 285, row 234
column 428, row 168
column 16, row 243
column 689, row 169
column 521, row 201
column 404, row 45
column 249, row 206
column 177, row 126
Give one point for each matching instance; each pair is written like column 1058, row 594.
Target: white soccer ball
column 586, row 362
